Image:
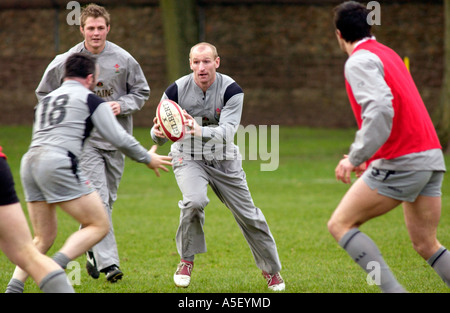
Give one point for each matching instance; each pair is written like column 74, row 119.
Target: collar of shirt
column 83, row 47
column 364, row 40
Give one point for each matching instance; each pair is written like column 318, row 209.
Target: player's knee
column 424, row 248
column 196, row 203
column 24, row 256
column 192, row 211
column 99, row 225
column 331, row 227
column 419, row 247
column 44, row 242
column 336, row 229
column 103, row 226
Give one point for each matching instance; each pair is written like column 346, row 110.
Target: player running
column 397, row 139
column 123, row 85
column 207, row 155
column 16, row 241
column 50, row 170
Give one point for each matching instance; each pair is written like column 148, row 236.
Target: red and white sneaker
column 182, row 276
column 275, row 282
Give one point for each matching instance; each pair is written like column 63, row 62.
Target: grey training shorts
column 404, row 185
column 51, row 174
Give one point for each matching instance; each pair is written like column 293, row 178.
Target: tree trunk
column 180, row 23
column 443, row 122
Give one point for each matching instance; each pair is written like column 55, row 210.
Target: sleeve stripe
column 232, row 90
column 172, row 92
column 93, row 101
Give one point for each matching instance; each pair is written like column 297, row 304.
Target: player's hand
column 157, row 128
column 158, row 161
column 360, row 169
column 115, row 106
column 192, row 126
column 344, row 170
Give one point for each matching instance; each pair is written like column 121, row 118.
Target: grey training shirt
column 218, row 111
column 121, row 79
column 66, row 117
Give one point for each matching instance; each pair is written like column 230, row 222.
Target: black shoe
column 91, row 265
column 113, row 273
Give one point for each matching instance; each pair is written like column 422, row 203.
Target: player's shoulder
column 179, row 86
column 80, row 93
column 224, row 81
column 363, row 59
column 184, row 79
column 75, row 89
column 228, row 86
column 70, row 87
column 75, row 49
column 118, row 51
column 79, row 47
column 61, row 58
column 182, row 83
column 93, row 101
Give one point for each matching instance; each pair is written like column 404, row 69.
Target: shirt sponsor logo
column 104, row 92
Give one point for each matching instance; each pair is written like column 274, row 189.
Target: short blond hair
column 212, row 47
column 94, row 10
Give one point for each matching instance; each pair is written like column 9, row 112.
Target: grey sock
column 363, row 251
column 440, row 262
column 15, row 286
column 56, row 282
column 61, row 259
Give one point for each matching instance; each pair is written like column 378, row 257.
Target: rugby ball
column 171, row 120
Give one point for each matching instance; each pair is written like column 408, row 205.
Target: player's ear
column 90, row 79
column 217, row 61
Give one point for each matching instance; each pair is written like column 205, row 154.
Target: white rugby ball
column 171, row 120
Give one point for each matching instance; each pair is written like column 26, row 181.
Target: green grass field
column 297, row 200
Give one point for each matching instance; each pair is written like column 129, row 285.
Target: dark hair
column 80, row 65
column 350, row 18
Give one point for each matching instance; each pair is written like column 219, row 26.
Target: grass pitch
column 297, row 200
